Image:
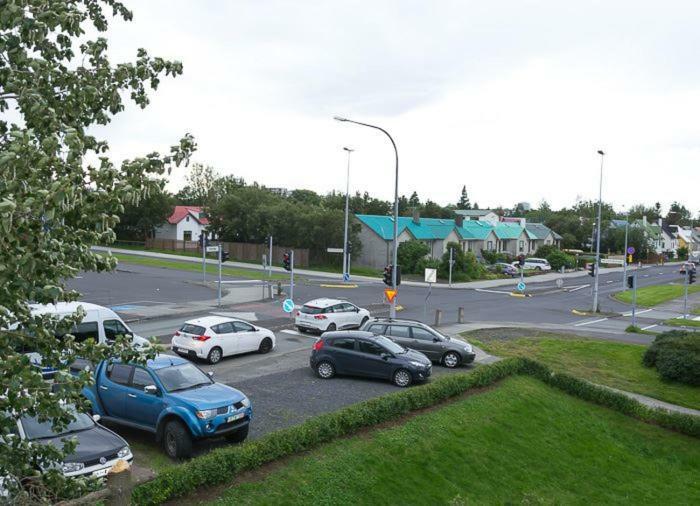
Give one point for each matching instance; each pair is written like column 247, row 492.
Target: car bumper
column 422, row 374
column 221, row 425
column 468, row 358
column 98, row 470
column 188, row 347
column 311, row 325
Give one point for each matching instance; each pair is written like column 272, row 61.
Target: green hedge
column 223, row 464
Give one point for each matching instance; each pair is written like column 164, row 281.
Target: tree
column 409, row 254
column 463, row 203
column 59, row 195
column 414, row 201
column 200, row 189
column 678, row 214
column 139, row 221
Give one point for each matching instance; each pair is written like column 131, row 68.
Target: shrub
column 682, row 253
column 545, row 251
column 410, row 253
column 491, row 257
column 676, row 356
column 466, row 267
column 427, row 263
column 558, row 259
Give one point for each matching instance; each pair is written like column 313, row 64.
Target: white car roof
column 209, row 321
column 324, row 302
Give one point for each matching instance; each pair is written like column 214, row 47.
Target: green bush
column 466, row 267
column 410, row 253
column 491, row 257
column 682, row 253
column 676, row 356
column 427, row 263
column 558, row 259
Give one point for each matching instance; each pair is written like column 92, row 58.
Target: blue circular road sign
column 288, row 305
column 521, row 286
column 630, row 250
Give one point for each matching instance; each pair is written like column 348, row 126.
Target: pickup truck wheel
column 239, row 436
column 214, row 355
column 177, row 440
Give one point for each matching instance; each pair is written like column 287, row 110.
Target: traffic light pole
column 634, row 299
column 219, row 294
column 203, row 242
column 624, row 258
column 597, row 240
column 291, row 275
column 685, row 300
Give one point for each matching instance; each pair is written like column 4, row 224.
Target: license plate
column 235, row 417
column 101, row 473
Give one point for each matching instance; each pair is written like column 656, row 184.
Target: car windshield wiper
column 52, row 436
column 190, row 387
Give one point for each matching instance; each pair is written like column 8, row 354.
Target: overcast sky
column 510, row 98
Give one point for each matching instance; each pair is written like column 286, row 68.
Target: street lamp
column 346, row 267
column 624, row 252
column 597, row 240
column 392, row 310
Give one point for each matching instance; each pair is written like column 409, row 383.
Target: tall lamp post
column 597, row 239
column 624, row 253
column 346, row 270
column 392, row 310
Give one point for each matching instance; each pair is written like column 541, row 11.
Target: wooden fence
column 241, row 251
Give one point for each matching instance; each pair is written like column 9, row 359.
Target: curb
column 520, row 295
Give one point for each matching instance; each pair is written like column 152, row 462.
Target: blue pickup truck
column 171, row 398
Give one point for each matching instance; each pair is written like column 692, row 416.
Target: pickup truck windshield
column 182, row 377
column 34, row 429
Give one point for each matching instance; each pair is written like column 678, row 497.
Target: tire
column 215, row 355
column 177, row 441
column 325, row 370
column 539, row 269
column 265, row 346
column 331, row 327
column 302, row 330
column 362, row 323
column 402, row 378
column 451, row 359
column 239, row 436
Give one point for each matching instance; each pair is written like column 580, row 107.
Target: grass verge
column 520, row 443
column 633, row 329
column 682, row 322
column 617, row 365
column 653, row 295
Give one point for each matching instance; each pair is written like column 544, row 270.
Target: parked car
column 97, row 449
column 505, row 268
column 687, row 266
column 418, row 336
column 538, row 264
column 100, row 323
column 171, row 398
column 213, row 337
column 358, row 353
column 327, row 315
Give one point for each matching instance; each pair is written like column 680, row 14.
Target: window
column 224, row 328
column 348, row 308
column 85, row 330
column 192, row 329
column 187, row 218
column 182, row 377
column 80, row 364
column 489, row 245
column 329, row 309
column 346, row 344
column 141, row 378
column 119, row 373
column 114, row 328
column 422, row 334
column 397, row 331
column 522, row 245
column 242, row 327
column 376, row 328
column 187, row 235
column 338, row 308
column 371, row 348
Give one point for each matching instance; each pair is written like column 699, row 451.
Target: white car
column 326, row 315
column 538, row 264
column 213, row 337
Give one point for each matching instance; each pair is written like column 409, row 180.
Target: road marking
column 649, row 327
column 521, row 295
column 608, row 281
column 646, row 275
column 581, row 324
column 629, row 313
column 293, row 332
column 338, row 286
column 578, row 288
column 490, row 291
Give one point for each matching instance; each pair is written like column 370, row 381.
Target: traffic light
column 691, row 277
column 591, row 269
column 225, row 256
column 387, row 275
column 630, row 282
column 287, row 261
column 349, row 247
column 203, row 240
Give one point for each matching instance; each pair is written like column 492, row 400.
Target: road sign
column 288, row 305
column 630, row 250
column 334, row 250
column 559, row 282
column 390, row 294
column 431, row 275
column 212, row 249
column 346, row 277
column 614, row 261
column 629, row 259
column 521, row 286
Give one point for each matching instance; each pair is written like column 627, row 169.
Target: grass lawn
column 682, row 322
column 519, row 443
column 654, row 295
column 618, row 365
column 195, row 267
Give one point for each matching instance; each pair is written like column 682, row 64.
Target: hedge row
column 223, row 464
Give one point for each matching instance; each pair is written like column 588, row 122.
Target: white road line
column 581, row 324
column 292, row 332
column 649, row 327
column 646, row 275
column 606, row 281
column 629, row 313
column 578, row 288
column 490, row 291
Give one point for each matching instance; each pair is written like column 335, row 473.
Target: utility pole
column 346, row 270
column 291, row 275
column 624, row 255
column 685, row 299
column 597, row 241
column 220, row 251
column 269, row 260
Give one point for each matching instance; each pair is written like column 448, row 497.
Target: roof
column 63, row 307
column 508, row 230
column 324, row 302
column 161, row 361
column 618, row 223
column 180, row 212
column 475, row 230
column 473, row 212
column 208, row 321
column 537, row 231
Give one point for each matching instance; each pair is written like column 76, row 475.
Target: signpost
column 559, row 282
column 634, row 299
column 612, row 261
column 685, row 300
column 212, row 249
column 390, row 294
column 430, row 278
column 346, row 258
column 521, row 286
column 288, row 305
column 220, row 250
column 291, row 275
column 449, row 282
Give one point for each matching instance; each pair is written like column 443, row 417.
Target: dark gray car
column 420, row 337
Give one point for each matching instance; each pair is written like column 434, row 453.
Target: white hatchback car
column 213, row 337
column 538, row 264
column 326, row 315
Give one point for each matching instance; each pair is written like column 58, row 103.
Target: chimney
column 416, row 216
column 459, row 220
column 644, row 220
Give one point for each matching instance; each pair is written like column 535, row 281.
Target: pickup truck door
column 142, row 408
column 112, row 387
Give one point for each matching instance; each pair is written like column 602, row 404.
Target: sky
column 510, row 98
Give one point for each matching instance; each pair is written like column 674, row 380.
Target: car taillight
column 177, row 332
column 320, row 317
column 318, row 345
column 202, row 338
column 298, row 313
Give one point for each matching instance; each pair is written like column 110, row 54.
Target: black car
column 359, row 353
column 418, row 336
column 97, row 449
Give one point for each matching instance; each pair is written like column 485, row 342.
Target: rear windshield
column 192, row 329
column 311, row 310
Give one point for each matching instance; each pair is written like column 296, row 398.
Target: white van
column 100, row 323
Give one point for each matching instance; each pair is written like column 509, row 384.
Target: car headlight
column 124, row 453
column 205, row 414
column 245, row 402
column 417, row 364
column 72, row 467
column 468, row 348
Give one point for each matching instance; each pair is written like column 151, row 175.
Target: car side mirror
column 151, row 389
column 210, row 374
column 386, row 356
column 357, row 310
column 96, row 418
column 436, row 339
